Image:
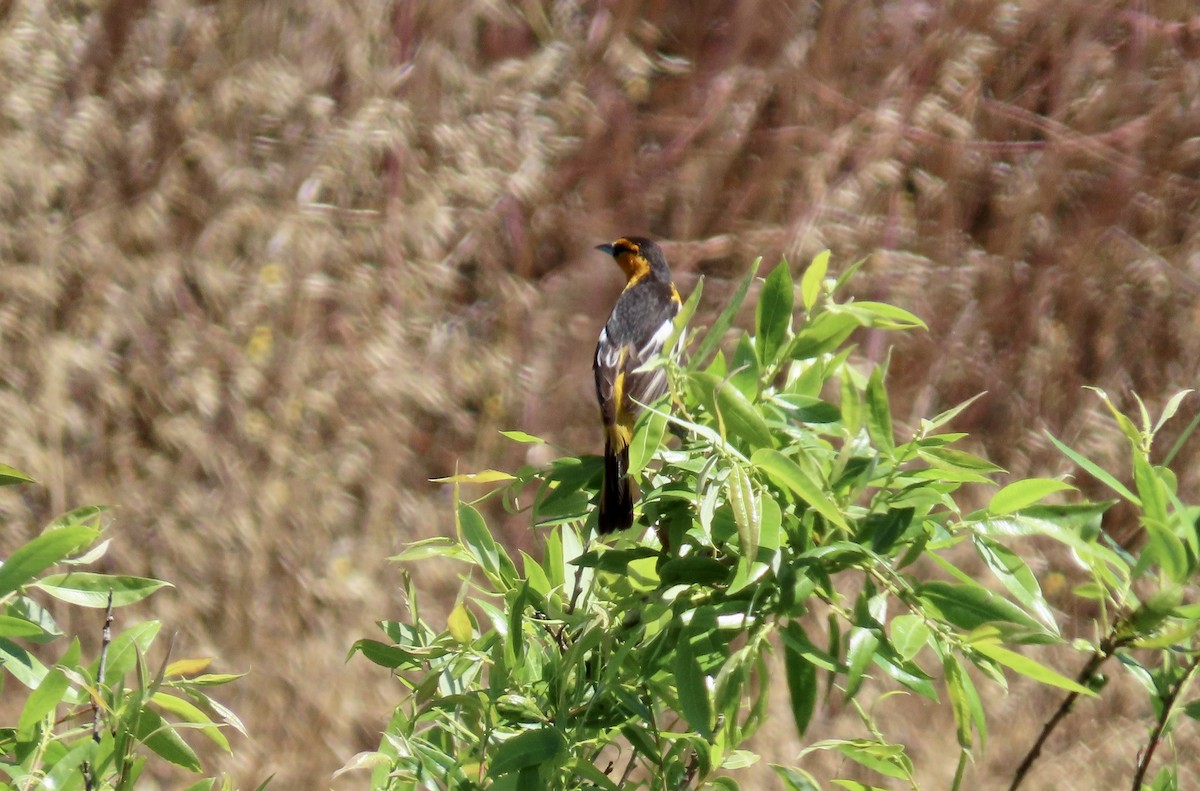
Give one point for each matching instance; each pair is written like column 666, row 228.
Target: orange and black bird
column 639, row 325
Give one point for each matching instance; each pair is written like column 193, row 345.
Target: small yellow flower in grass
column 459, row 624
column 261, row 343
column 271, row 274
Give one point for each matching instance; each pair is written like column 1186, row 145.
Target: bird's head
column 638, row 258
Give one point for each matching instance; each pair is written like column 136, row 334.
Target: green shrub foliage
column 92, row 720
column 781, row 510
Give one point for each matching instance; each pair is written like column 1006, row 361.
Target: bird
column 641, row 321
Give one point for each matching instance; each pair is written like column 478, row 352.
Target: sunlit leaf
column 41, row 552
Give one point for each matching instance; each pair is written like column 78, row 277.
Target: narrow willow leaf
column 821, row 334
column 88, row 589
column 459, row 625
column 1017, row 577
column 745, row 510
column 693, row 692
column 38, row 554
column 9, row 476
column 717, row 332
column 41, row 702
column 955, row 676
column 737, row 417
column 165, row 741
column 647, row 437
column 970, row 605
column 1095, row 470
column 909, row 635
column 1150, row 488
column 773, row 316
column 1171, row 408
column 862, row 646
column 484, row 476
column 1029, row 667
column 945, row 417
column 879, row 413
column 884, row 316
column 813, row 278
column 791, row 476
column 522, row 437
column 1023, row 494
column 801, row 677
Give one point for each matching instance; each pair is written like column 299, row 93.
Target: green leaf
column 791, row 476
column 745, row 372
column 1028, row 667
column 123, row 651
column 955, row 677
column 436, row 547
column 879, row 413
column 192, row 714
column 1095, row 470
column 968, row 605
column 483, row 476
column 475, row 536
column 157, row 734
column 9, row 476
column 1017, row 578
column 1171, row 408
column 41, row 702
column 527, row 749
column 35, row 556
column 11, row 626
column 1023, row 494
column 863, row 644
column 808, row 409
column 909, row 635
column 522, row 437
column 23, row 665
column 945, row 417
column 1163, row 548
column 736, row 415
column 693, row 692
column 746, row 513
column 881, row 315
column 796, row 779
column 693, row 570
column 814, row 276
column 886, row 759
column 948, row 458
column 88, row 589
column 821, row 334
column 459, row 625
column 774, row 314
column 1150, row 488
column 801, row 678
column 647, row 436
column 717, row 333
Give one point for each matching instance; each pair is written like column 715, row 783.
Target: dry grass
column 266, row 267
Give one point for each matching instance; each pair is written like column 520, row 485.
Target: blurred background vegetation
column 267, row 267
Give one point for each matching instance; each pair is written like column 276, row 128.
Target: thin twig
column 89, row 782
column 1108, row 646
column 1168, row 706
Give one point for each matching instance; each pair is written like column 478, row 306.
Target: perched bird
column 639, row 325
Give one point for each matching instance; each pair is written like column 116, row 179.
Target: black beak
column 605, row 248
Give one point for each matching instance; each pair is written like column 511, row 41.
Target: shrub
column 786, row 517
column 92, row 722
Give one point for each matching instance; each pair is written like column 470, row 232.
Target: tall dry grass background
column 267, row 267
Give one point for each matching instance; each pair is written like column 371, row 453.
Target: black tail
column 616, row 499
